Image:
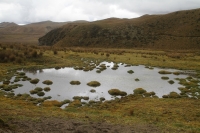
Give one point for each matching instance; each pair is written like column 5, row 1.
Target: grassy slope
column 177, row 30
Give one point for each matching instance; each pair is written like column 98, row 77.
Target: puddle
column 61, row 89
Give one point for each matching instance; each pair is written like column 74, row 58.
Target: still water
column 61, row 89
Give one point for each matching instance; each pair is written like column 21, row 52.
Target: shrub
column 117, row 92
column 139, row 91
column 137, row 79
column 147, row 94
column 6, row 82
column 75, row 82
column 165, row 78
column 33, row 91
column 66, row 101
column 176, row 73
column 174, row 95
column 85, row 98
column 38, row 89
column 92, row 90
column 77, row 97
column 130, row 71
column 34, row 54
column 47, row 82
column 55, row 52
column 93, row 83
column 165, row 96
column 102, row 99
column 171, row 81
column 47, row 89
column 34, row 81
column 98, row 71
column 164, row 72
column 40, row 93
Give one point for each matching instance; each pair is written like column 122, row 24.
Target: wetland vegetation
column 167, row 114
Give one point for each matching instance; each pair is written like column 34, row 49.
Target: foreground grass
column 172, row 115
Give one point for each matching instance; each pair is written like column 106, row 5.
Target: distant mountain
column 13, row 33
column 177, row 30
column 7, row 24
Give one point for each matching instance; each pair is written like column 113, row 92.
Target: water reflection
column 61, row 89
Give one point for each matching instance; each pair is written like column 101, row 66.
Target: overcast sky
column 29, row 11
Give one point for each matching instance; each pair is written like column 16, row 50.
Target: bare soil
column 59, row 125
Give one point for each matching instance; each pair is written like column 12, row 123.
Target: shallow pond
column 61, row 89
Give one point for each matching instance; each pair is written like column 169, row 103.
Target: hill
column 13, row 33
column 177, row 30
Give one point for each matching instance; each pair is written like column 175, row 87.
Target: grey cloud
column 26, row 11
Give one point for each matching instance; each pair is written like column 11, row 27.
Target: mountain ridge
column 29, row 33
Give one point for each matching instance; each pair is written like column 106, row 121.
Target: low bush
column 93, row 84
column 139, row 91
column 75, row 82
column 117, row 92
column 34, row 81
column 47, row 82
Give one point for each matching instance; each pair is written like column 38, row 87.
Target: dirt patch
column 59, row 125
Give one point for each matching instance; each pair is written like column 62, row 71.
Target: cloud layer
column 28, row 11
